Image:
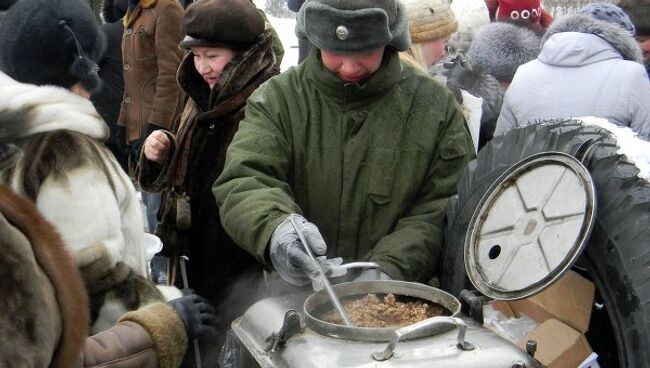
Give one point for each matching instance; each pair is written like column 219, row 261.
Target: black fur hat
column 52, row 42
column 114, row 10
column 6, row 4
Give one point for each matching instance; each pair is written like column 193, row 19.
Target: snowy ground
column 285, row 29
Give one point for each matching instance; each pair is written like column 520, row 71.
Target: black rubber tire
column 617, row 255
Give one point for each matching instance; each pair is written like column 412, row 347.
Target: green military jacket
column 371, row 164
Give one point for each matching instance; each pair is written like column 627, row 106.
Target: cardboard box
column 569, row 300
column 563, row 312
column 558, row 345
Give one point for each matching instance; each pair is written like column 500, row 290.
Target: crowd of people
column 355, row 150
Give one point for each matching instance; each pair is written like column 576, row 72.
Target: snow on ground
column 285, row 27
column 636, row 149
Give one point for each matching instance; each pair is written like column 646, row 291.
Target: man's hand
column 156, row 147
column 290, row 259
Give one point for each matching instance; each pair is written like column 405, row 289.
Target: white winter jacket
column 65, row 169
column 579, row 73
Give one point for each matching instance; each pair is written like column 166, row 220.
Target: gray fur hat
column 346, row 26
column 499, row 48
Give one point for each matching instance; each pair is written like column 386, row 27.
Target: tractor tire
column 617, row 255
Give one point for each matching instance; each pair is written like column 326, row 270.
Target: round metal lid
column 530, row 226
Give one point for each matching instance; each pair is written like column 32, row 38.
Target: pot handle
column 362, row 265
column 418, row 327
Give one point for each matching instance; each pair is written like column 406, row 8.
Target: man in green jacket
column 366, row 148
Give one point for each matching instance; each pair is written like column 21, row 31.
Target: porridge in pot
column 375, row 310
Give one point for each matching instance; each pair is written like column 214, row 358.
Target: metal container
column 317, row 301
column 528, row 229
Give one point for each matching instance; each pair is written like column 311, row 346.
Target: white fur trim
column 53, row 108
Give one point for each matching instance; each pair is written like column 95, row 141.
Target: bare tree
column 561, row 7
column 278, row 9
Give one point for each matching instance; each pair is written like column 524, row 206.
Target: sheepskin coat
column 74, row 180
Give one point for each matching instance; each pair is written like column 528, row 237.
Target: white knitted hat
column 429, row 19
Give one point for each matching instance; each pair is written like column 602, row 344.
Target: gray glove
column 290, row 259
column 371, row 275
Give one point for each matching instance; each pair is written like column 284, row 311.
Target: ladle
column 326, row 283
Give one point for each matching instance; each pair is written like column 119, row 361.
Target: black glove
column 459, row 76
column 197, row 314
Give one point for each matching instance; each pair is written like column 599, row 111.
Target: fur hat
column 52, row 42
column 6, row 4
column 609, row 13
column 639, row 13
column 429, row 20
column 500, row 48
column 114, row 10
column 230, row 23
column 346, row 26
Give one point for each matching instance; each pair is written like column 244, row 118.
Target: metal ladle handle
column 326, row 283
column 421, row 327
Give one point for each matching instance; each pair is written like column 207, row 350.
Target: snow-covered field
column 285, row 29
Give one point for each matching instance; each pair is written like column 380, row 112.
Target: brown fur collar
column 60, row 269
column 133, row 15
column 252, row 66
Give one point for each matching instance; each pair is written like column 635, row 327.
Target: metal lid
column 530, row 226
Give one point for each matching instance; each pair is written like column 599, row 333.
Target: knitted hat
column 346, row 26
column 233, row 24
column 500, row 48
column 520, row 11
column 429, row 19
column 52, row 42
column 609, row 13
column 639, row 13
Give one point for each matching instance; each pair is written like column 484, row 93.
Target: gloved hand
column 459, row 76
column 197, row 314
column 290, row 259
column 370, row 274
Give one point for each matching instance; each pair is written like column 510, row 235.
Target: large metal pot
column 319, row 301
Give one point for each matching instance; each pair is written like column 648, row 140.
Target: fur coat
column 80, row 188
column 44, row 312
column 587, row 67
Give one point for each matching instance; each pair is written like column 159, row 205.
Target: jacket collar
column 257, row 63
column 132, row 15
column 619, row 38
column 353, row 94
column 27, row 109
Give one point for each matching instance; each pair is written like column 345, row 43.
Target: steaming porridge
column 371, row 311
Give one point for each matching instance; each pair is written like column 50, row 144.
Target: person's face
column 210, row 62
column 644, row 43
column 353, row 67
column 434, row 50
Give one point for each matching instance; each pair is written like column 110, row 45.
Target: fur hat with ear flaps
column 346, row 26
column 45, row 42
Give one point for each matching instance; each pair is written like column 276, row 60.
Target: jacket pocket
column 454, row 147
column 143, row 45
column 382, row 173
